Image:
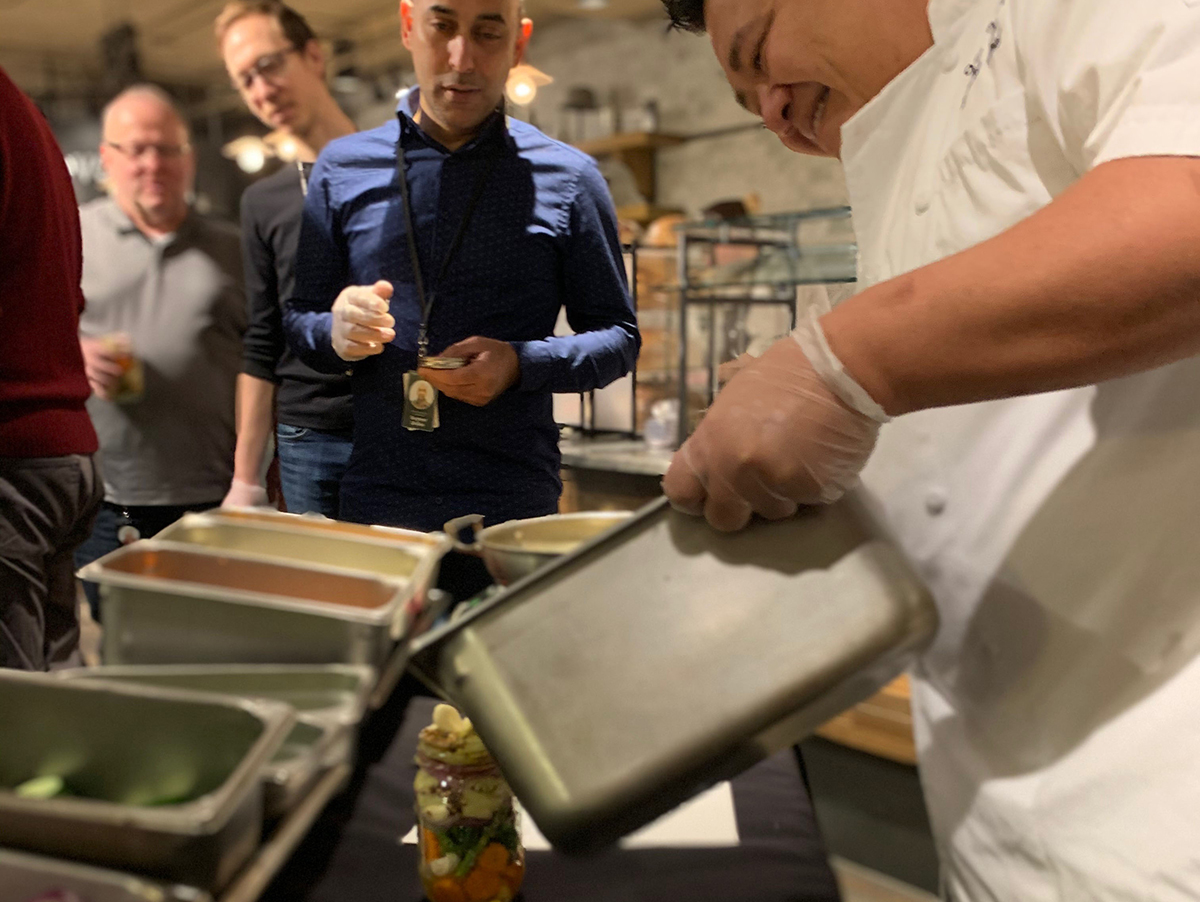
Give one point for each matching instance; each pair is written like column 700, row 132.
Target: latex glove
column 361, row 322
column 792, row 428
column 102, row 361
column 731, row 368
column 492, row 366
column 245, row 494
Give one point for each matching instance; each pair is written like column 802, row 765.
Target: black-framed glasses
column 267, row 66
column 140, row 149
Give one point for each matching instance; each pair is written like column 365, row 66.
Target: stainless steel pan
column 24, row 877
column 171, row 603
column 165, row 782
column 664, row 656
column 329, row 700
column 516, row 548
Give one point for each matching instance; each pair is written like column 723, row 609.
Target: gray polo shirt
column 181, row 300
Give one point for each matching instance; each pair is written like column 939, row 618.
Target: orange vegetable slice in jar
column 433, row 849
column 481, row 885
column 513, row 875
column 493, row 858
column 446, row 889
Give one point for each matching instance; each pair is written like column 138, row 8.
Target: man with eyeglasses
column 166, row 309
column 461, row 235
column 277, row 65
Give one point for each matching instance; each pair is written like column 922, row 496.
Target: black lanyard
column 425, row 299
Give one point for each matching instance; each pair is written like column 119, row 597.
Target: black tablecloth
column 354, row 855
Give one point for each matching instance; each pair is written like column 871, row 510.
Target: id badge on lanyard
column 420, row 412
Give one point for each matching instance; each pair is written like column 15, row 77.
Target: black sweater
column 271, row 212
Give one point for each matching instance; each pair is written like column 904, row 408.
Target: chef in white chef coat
column 1025, row 185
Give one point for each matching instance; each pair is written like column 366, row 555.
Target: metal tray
column 330, row 701
column 410, row 557
column 177, row 604
column 25, row 877
column 664, row 656
column 317, row 525
column 120, row 747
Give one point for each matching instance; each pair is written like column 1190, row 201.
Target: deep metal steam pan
column 664, row 656
column 403, row 555
column 162, row 782
column 169, row 604
column 330, row 700
column 25, row 877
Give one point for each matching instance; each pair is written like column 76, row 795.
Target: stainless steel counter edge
column 629, row 456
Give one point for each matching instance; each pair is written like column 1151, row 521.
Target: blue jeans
column 311, row 464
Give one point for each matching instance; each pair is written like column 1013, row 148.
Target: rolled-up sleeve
column 596, row 299
column 321, row 273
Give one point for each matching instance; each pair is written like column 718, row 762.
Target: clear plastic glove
column 731, row 368
column 361, row 322
column 245, row 494
column 790, row 428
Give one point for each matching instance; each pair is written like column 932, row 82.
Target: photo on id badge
column 420, row 404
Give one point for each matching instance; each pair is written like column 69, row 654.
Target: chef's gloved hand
column 361, row 322
column 731, row 368
column 245, row 494
column 790, row 428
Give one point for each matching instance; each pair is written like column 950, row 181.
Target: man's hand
column 492, row 366
column 103, row 361
column 361, row 322
column 776, row 437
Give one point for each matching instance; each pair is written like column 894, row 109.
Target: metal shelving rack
column 782, row 262
column 587, row 400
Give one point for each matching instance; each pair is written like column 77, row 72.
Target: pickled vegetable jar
column 469, row 845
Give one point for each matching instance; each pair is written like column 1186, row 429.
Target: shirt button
column 921, row 201
column 935, row 502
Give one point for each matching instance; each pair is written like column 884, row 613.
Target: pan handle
column 454, row 527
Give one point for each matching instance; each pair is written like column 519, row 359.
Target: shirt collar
column 125, row 226
column 495, row 127
column 943, row 14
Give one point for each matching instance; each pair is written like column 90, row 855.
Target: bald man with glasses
column 162, row 331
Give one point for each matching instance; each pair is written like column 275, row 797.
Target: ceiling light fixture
column 592, row 5
column 523, row 83
column 249, row 152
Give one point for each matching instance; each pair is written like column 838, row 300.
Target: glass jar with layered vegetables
column 469, row 844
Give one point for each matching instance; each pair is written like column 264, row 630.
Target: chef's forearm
column 1102, row 282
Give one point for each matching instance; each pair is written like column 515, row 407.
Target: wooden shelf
column 644, row 213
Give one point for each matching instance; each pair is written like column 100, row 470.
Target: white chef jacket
column 1057, row 714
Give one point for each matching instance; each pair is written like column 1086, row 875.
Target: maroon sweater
column 42, row 382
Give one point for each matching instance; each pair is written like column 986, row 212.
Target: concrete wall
column 642, row 61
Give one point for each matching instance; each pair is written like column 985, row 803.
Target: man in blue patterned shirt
column 508, row 226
